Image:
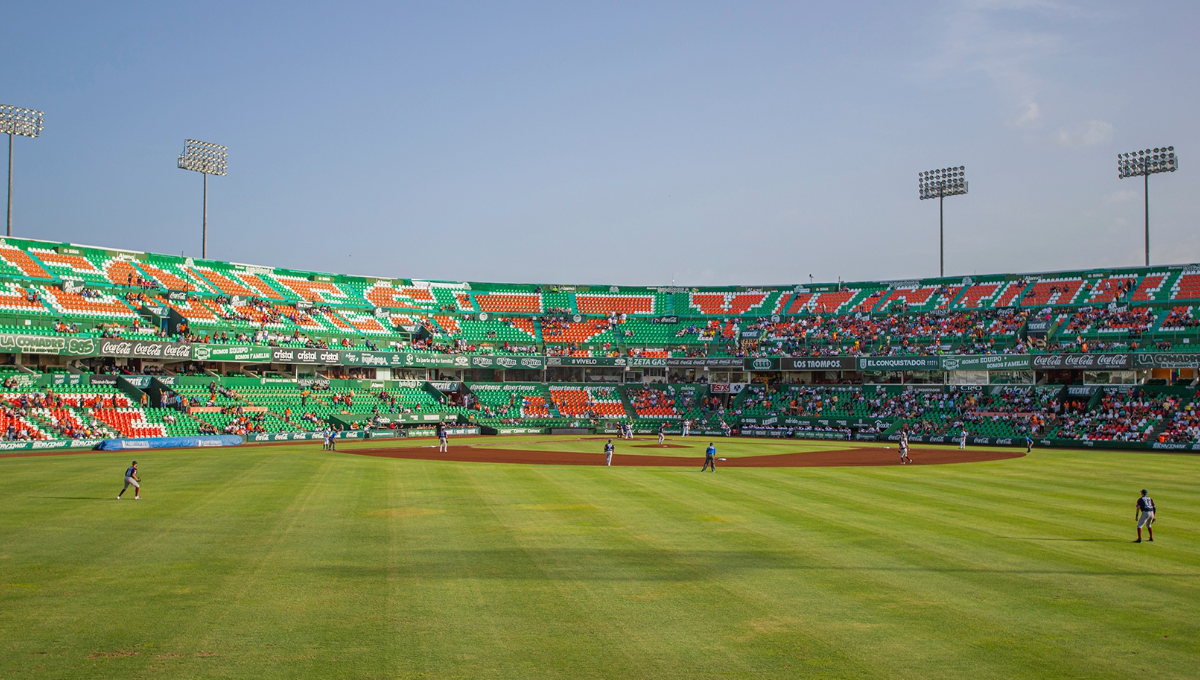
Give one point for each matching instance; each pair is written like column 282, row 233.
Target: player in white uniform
column 962, row 440
column 904, row 447
column 662, row 430
column 1145, row 516
column 608, row 452
column 687, row 427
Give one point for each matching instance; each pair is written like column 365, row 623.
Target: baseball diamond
column 600, row 341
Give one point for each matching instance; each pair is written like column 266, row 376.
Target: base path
column 854, row 456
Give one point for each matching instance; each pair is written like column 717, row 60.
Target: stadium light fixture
column 209, row 159
column 15, row 120
column 1146, row 163
column 939, row 184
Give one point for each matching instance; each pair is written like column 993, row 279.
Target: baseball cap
column 1144, row 492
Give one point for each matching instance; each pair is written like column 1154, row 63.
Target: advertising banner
column 592, row 361
column 818, row 364
column 711, row 362
column 415, row 360
column 69, row 379
column 21, row 343
column 143, row 349
column 1038, row 329
column 1167, row 360
column 288, row 355
column 761, row 364
column 997, row 362
column 899, row 363
column 240, row 353
column 1087, row 362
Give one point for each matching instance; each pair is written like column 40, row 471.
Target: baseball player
column 962, row 440
column 131, row 479
column 662, row 429
column 441, row 433
column 1145, row 516
column 608, row 452
column 710, row 458
column 904, row 459
column 687, row 427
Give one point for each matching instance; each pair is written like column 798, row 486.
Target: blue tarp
column 169, row 442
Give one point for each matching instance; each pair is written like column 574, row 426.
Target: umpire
column 710, row 458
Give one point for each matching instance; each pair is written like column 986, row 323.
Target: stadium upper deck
column 70, row 291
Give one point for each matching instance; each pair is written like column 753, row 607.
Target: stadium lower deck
column 107, row 344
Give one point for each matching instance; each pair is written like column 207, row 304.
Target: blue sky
column 701, row 143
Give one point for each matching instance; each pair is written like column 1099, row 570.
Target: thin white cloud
column 1087, row 133
column 1119, row 196
column 1010, row 43
column 1032, row 113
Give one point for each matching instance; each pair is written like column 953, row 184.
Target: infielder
column 441, row 433
column 904, row 459
column 962, row 440
column 1145, row 516
column 687, row 427
column 608, row 452
column 131, row 479
column 710, row 458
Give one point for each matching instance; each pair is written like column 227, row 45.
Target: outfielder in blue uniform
column 710, row 458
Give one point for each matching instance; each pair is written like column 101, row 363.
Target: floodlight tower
column 939, row 184
column 15, row 120
column 1146, row 163
column 209, row 159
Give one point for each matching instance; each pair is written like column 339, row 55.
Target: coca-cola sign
column 1087, row 362
column 138, row 349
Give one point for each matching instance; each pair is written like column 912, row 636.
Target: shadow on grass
column 629, row 565
column 1084, row 540
column 77, row 498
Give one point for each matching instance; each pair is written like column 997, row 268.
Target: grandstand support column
column 1146, row 194
column 941, row 235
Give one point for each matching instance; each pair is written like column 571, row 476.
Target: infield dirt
column 847, row 457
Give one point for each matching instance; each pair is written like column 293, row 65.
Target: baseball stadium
column 600, row 341
column 1030, row 401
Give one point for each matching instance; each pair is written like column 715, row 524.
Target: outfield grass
column 286, row 561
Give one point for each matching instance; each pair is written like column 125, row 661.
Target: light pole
column 209, row 159
column 15, row 120
column 1146, row 163
column 939, row 184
